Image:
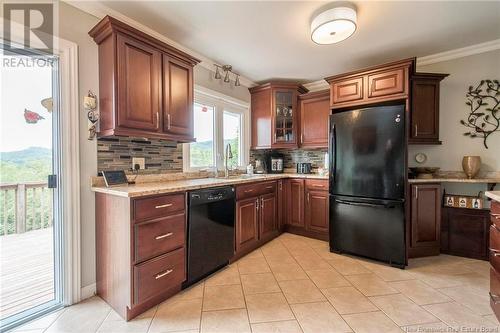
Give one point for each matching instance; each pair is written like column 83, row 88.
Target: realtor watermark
column 459, row 329
column 29, row 26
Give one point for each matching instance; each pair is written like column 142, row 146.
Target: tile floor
column 294, row 284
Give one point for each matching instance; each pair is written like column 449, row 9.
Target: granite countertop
column 454, row 180
column 494, row 195
column 161, row 187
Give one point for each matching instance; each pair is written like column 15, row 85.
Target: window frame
column 221, row 103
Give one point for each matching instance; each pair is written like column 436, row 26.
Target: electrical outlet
column 140, row 161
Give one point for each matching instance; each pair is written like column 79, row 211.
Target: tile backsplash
column 294, row 156
column 115, row 153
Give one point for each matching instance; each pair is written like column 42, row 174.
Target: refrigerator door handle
column 364, row 204
column 332, row 152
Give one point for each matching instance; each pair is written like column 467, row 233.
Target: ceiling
column 271, row 39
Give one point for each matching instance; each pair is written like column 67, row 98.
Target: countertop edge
column 455, row 180
column 494, row 195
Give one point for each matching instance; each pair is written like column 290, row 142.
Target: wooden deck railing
column 24, row 207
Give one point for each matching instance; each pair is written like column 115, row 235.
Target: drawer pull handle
column 495, row 253
column 163, row 206
column 496, row 216
column 495, row 298
column 318, row 185
column 164, row 236
column 160, row 275
column 269, row 187
column 248, row 191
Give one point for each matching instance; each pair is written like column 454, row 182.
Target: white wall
column 463, row 72
column 74, row 26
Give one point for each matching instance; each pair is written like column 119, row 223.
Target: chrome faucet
column 229, row 155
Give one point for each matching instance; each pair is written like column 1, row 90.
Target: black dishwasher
column 210, row 234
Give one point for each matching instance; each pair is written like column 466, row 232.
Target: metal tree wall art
column 484, row 116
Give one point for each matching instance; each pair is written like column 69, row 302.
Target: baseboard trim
column 87, row 291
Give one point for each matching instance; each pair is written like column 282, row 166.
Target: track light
column 217, row 73
column 226, row 69
column 237, row 81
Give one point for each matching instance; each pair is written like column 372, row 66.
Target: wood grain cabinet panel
column 268, row 227
column 425, row 220
column 247, row 223
column 314, row 118
column 317, row 211
column 177, row 98
column 139, row 95
column 347, row 90
column 295, row 202
column 386, row 83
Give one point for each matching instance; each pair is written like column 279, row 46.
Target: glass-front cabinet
column 275, row 115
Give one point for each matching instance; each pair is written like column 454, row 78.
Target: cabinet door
column 426, row 217
column 281, row 204
column 314, row 119
column 295, row 202
column 247, row 223
column 316, row 211
column 268, row 226
column 177, row 97
column 285, row 118
column 386, row 83
column 347, row 90
column 424, row 111
column 261, row 119
column 138, row 86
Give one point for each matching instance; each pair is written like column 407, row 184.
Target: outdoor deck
column 26, row 270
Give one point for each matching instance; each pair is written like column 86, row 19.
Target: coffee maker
column 275, row 163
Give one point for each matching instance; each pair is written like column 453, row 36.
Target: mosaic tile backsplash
column 115, row 153
column 294, row 156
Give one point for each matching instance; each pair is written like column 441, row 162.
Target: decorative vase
column 471, row 165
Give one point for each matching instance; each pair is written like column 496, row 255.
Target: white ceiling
column 265, row 40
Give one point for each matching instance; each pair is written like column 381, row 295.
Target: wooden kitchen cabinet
column 275, row 115
column 295, row 202
column 495, row 258
column 256, row 215
column 317, row 206
column 314, row 118
column 425, row 212
column 145, row 85
column 424, row 120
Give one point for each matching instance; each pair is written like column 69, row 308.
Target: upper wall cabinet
column 424, row 123
column 275, row 116
column 393, row 82
column 145, row 85
column 314, row 117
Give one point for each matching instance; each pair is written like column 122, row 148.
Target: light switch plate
column 140, row 161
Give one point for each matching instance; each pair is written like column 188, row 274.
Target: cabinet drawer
column 495, row 213
column 255, row 189
column 386, row 83
column 155, row 238
column 158, row 206
column 495, row 291
column 158, row 275
column 317, row 184
column 347, row 90
column 495, row 247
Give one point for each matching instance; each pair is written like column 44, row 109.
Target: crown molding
column 316, row 85
column 459, row 53
column 100, row 10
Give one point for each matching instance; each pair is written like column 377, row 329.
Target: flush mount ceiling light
column 333, row 25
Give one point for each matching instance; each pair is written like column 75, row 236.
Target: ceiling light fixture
column 227, row 69
column 333, row 25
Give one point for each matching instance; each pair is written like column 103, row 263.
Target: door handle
column 168, row 121
column 157, row 120
column 160, row 275
column 364, row 204
column 164, row 235
column 496, row 216
column 416, row 129
column 262, row 203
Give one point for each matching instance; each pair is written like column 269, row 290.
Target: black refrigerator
column 367, row 151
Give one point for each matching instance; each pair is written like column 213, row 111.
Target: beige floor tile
column 370, row 284
column 492, row 318
column 327, row 278
column 402, row 310
column 229, row 275
column 324, row 252
column 227, row 321
column 456, row 315
column 371, row 322
column 480, row 267
column 475, row 281
column 419, row 292
column 287, row 272
column 223, row 298
column 387, row 273
column 347, row 266
column 177, row 315
column 281, row 259
column 116, row 324
column 301, row 291
column 312, row 262
column 447, row 269
column 478, row 302
column 253, row 265
column 347, row 300
column 85, row 316
column 431, row 327
column 259, row 283
column 36, row 330
column 437, row 280
column 255, row 254
column 319, row 317
column 193, row 292
column 289, row 326
column 41, row 323
column 268, row 307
